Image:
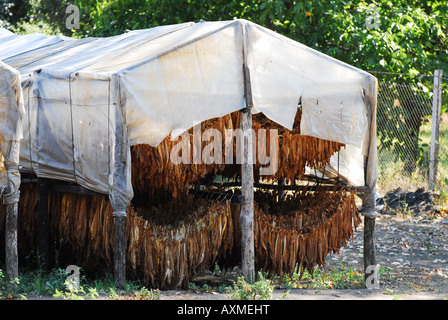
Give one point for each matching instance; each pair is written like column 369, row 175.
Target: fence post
column 434, row 148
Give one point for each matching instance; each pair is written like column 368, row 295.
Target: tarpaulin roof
column 88, row 100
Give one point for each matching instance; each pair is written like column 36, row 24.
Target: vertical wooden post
column 43, row 223
column 247, row 208
column 369, row 247
column 120, row 251
column 247, row 174
column 434, row 148
column 118, row 199
column 11, row 196
column 12, row 257
column 369, row 213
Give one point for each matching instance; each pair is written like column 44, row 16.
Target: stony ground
column 412, row 254
column 411, row 251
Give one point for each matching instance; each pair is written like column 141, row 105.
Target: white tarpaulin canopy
column 11, row 132
column 88, row 100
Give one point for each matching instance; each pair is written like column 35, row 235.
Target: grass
column 261, row 289
column 342, row 277
column 54, row 284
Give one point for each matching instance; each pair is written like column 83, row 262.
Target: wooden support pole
column 370, row 266
column 120, row 251
column 369, row 252
column 43, row 223
column 11, row 244
column 247, row 175
column 434, row 147
column 247, row 209
column 11, row 195
column 118, row 200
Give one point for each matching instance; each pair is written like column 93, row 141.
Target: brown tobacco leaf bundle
column 26, row 220
column 170, row 242
column 166, row 244
column 83, row 225
column 153, row 169
column 168, row 255
column 302, row 229
column 295, row 151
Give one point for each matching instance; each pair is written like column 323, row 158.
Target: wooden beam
column 356, row 189
column 72, row 188
column 218, row 196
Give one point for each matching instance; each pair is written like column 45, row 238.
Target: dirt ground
column 412, row 251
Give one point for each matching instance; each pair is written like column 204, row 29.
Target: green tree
column 11, row 12
column 399, row 36
column 393, row 37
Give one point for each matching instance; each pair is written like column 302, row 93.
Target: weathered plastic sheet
column 88, row 100
column 11, row 114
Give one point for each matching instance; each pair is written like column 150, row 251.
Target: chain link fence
column 442, row 167
column 404, row 123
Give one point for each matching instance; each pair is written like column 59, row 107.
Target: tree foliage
column 393, row 37
column 399, row 36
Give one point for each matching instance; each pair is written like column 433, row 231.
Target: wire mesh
column 442, row 167
column 404, row 135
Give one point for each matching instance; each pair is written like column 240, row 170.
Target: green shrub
column 262, row 289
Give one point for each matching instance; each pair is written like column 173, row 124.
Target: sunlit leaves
column 397, row 36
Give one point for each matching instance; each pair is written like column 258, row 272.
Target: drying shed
column 95, row 107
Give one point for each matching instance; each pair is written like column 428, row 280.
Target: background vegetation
column 400, row 36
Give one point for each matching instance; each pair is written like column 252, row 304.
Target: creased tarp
column 192, row 75
column 89, row 100
column 13, row 45
column 11, row 115
column 338, row 100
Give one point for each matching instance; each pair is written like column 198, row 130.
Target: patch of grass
column 342, row 277
column 55, row 284
column 262, row 289
column 337, row 278
column 33, row 283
